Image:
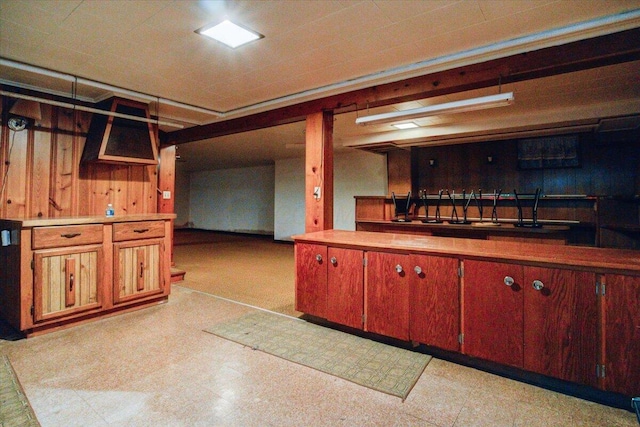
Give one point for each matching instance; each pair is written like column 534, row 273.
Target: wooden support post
column 319, row 172
column 167, row 184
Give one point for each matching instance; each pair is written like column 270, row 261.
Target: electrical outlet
column 316, row 193
column 166, row 195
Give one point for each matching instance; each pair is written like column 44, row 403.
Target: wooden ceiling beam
column 575, row 56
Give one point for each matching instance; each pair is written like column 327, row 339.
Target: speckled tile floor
column 156, row 367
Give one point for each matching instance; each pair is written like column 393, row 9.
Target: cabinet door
column 311, row 279
column 493, row 311
column 345, row 287
column 561, row 324
column 434, row 301
column 387, row 294
column 622, row 334
column 66, row 281
column 139, row 269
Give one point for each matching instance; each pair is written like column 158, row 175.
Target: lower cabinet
column 138, row 267
column 330, row 283
column 434, row 301
column 578, row 326
column 544, row 320
column 345, row 287
column 387, row 294
column 67, row 281
column 311, row 279
column 492, row 320
column 561, row 324
column 622, row 334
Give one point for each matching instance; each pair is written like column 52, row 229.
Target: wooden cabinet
column 541, row 319
column 311, row 279
column 493, row 311
column 570, row 313
column 138, row 254
column 561, row 324
column 345, row 287
column 67, row 281
column 387, row 294
column 62, row 271
column 329, row 283
column 434, row 301
column 139, row 269
column 622, row 334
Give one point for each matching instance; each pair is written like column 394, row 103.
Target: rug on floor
column 14, row 406
column 365, row 362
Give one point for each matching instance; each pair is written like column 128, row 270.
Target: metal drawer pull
column 319, row 258
column 140, row 230
column 399, row 268
column 418, row 270
column 70, row 235
column 508, row 280
column 333, row 260
column 537, row 285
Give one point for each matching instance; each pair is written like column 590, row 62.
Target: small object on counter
column 109, row 211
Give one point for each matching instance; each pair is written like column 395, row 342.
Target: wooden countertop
column 602, row 260
column 43, row 222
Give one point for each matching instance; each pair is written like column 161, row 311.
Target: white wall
column 289, row 198
column 238, row 200
column 356, row 173
column 270, row 199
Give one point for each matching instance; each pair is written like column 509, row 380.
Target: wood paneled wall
column 609, row 167
column 45, row 179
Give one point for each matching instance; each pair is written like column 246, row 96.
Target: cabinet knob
column 319, row 258
column 508, row 280
column 418, row 270
column 333, row 260
column 537, row 285
column 399, row 268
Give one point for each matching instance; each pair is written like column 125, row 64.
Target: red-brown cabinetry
column 434, row 301
column 387, row 294
column 311, row 279
column 621, row 330
column 329, row 283
column 544, row 320
column 572, row 313
column 345, row 287
column 492, row 311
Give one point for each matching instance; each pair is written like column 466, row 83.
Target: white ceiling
column 311, row 49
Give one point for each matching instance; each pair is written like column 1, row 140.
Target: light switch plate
column 166, row 195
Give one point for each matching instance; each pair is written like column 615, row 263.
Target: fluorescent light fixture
column 408, row 125
column 230, row 34
column 473, row 104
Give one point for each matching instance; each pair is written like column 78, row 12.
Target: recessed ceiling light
column 231, row 34
column 409, row 125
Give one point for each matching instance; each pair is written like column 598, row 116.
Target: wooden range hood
column 120, row 140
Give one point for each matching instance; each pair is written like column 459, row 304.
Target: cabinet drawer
column 67, row 235
column 137, row 230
